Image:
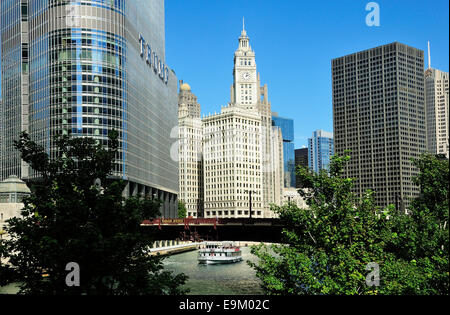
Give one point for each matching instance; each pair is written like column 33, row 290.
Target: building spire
column 429, row 56
column 243, row 33
column 244, row 40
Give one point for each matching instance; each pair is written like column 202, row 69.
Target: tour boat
column 219, row 253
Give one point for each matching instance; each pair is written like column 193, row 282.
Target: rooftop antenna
column 429, row 56
column 243, row 23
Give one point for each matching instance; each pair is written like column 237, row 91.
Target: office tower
column 437, row 110
column 190, row 152
column 241, row 151
column 247, row 93
column 83, row 68
column 185, row 96
column 232, row 165
column 287, row 129
column 301, row 159
column 379, row 115
column 1, row 128
column 320, row 150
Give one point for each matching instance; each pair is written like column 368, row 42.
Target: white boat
column 219, row 253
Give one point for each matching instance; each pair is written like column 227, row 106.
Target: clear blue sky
column 294, row 43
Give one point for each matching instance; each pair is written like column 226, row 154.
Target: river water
column 227, row 279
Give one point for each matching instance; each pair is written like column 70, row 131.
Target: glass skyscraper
column 287, row 130
column 320, row 150
column 83, row 68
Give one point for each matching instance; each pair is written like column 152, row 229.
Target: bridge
column 215, row 229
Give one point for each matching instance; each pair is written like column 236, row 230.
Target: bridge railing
column 179, row 221
column 210, row 221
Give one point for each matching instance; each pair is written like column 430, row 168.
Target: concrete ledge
column 172, row 250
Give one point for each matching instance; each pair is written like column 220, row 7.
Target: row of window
column 231, row 212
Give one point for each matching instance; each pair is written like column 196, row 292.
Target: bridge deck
column 245, row 229
column 212, row 222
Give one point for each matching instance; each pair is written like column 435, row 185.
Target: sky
column 294, row 42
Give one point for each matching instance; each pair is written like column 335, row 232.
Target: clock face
column 246, row 76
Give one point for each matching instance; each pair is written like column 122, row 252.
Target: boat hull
column 216, row 253
column 219, row 261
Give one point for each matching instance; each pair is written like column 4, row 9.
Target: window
column 24, row 51
column 24, row 12
column 25, row 68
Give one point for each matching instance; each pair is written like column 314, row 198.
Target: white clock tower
column 244, row 92
column 241, row 168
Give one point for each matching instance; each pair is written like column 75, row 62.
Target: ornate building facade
column 12, row 192
column 241, row 153
column 190, row 133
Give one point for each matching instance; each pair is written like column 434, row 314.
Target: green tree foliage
column 423, row 234
column 328, row 247
column 71, row 218
column 182, row 212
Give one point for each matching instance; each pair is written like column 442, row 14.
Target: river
column 227, row 279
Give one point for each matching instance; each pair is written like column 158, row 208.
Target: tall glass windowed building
column 83, row 68
column 320, row 150
column 287, row 130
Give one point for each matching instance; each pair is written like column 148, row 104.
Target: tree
column 330, row 246
column 69, row 217
column 423, row 235
column 182, row 212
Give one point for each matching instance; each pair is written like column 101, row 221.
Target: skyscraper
column 437, row 110
column 287, row 130
column 83, row 68
column 379, row 115
column 247, row 93
column 241, row 151
column 190, row 152
column 1, row 131
column 301, row 159
column 186, row 97
column 320, row 150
